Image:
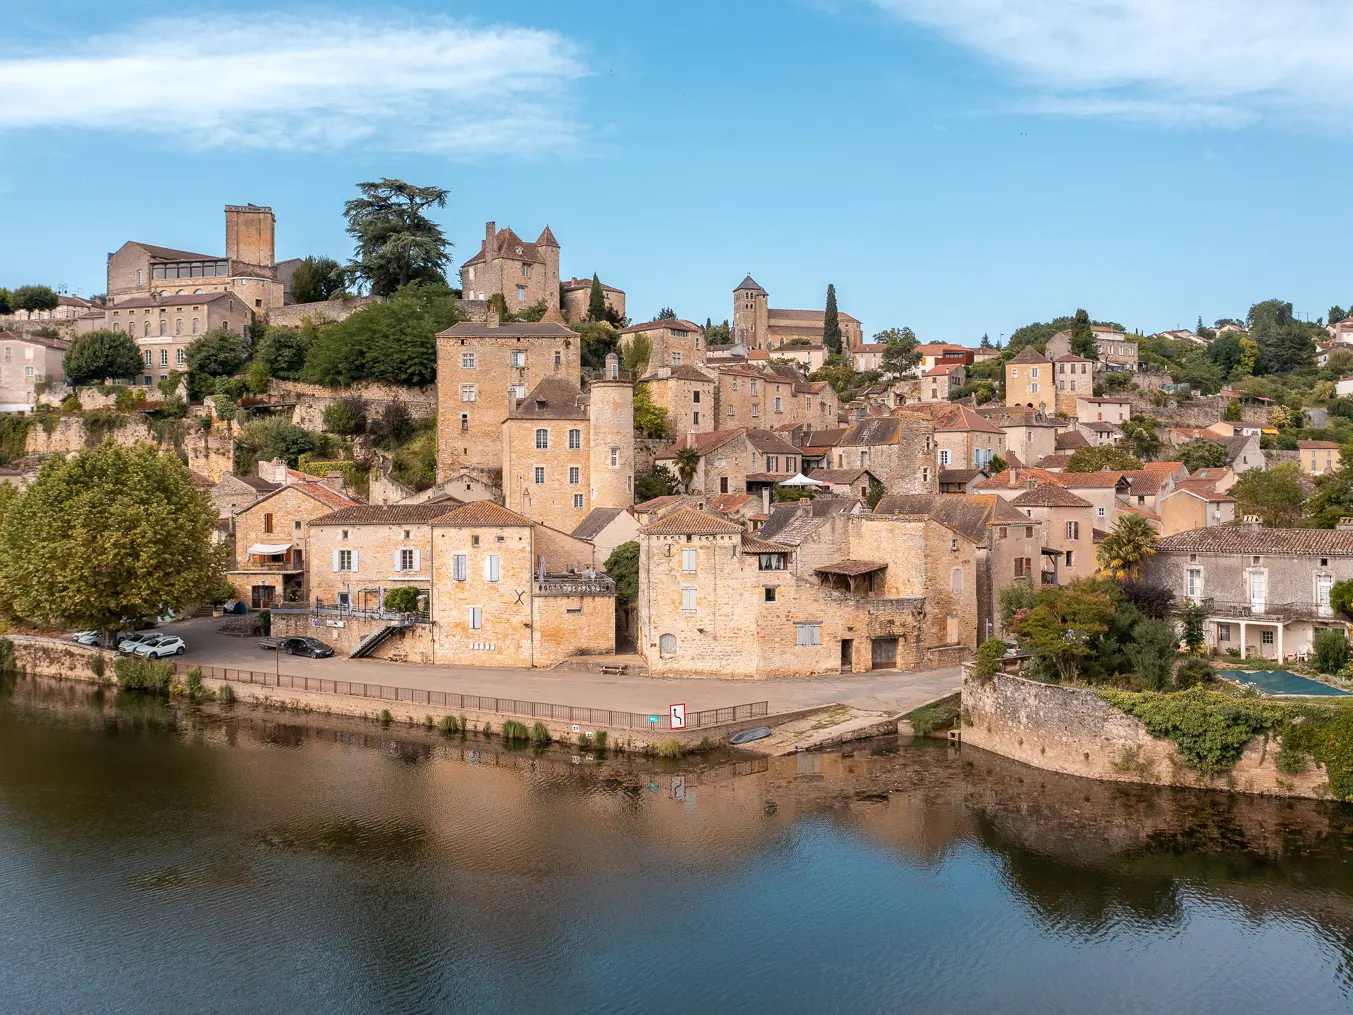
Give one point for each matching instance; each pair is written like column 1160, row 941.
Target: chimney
column 765, row 500
column 492, row 320
column 273, row 472
column 490, row 233
column 1345, row 523
column 334, row 482
column 1013, row 477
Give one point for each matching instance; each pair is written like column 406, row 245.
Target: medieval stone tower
column 249, row 234
column 610, row 410
column 751, row 314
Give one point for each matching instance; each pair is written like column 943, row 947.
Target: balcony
column 1271, row 612
column 567, row 585
column 254, row 566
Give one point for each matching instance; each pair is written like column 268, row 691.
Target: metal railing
column 355, row 612
column 1280, row 611
column 599, row 586
column 481, row 703
column 271, row 565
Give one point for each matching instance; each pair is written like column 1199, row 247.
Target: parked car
column 160, row 647
column 130, row 641
column 312, row 647
column 87, row 637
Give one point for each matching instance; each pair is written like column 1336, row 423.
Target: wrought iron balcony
column 1247, row 609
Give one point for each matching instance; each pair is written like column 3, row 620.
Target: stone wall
column 1194, row 412
column 71, row 434
column 344, row 634
column 327, row 312
column 312, row 399
column 1072, row 730
column 644, row 452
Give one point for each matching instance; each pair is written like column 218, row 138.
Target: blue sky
column 959, row 166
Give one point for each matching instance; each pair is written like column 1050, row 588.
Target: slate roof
column 852, row 568
column 838, row 477
column 552, row 398
column 674, row 322
column 506, row 242
column 967, row 515
column 596, row 520
column 1049, row 495
column 170, row 301
column 59, row 344
column 1202, row 491
column 754, row 544
column 583, row 283
column 1071, row 440
column 687, row 521
column 749, row 283
column 1286, row 542
column 509, row 329
column 1317, row 445
column 482, row 514
column 385, row 514
column 685, row 372
column 954, row 416
column 791, row 523
column 171, row 254
column 880, row 430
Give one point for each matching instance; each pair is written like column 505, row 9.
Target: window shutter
column 397, row 567
column 417, row 560
column 335, row 560
column 354, row 560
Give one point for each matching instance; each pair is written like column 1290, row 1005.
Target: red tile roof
column 689, row 522
column 482, row 514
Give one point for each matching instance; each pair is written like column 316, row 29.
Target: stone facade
column 1194, row 507
column 674, row 343
column 731, row 460
column 1029, row 380
column 164, row 326
column 524, row 274
column 687, row 393
column 279, row 519
column 758, row 326
column 27, row 361
column 899, row 451
column 1090, row 408
column 482, row 372
column 749, row 396
column 577, row 296
column 358, row 554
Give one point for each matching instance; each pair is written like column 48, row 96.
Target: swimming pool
column 1282, row 682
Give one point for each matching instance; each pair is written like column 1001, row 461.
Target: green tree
column 1125, row 550
column 1082, row 338
column 717, row 334
column 216, row 353
column 1225, row 351
column 1341, row 597
column 394, row 341
column 393, row 427
column 638, row 353
column 267, row 438
column 1275, row 495
column 100, row 356
column 258, row 378
column 1249, row 358
column 649, row 420
column 623, row 566
column 666, row 314
column 1331, row 651
column 396, row 242
column 1152, row 652
column 986, row 341
column 1141, row 435
column 687, row 462
column 168, row 385
column 402, row 600
column 346, row 416
column 1285, row 344
column 899, row 351
column 317, row 279
column 658, row 483
column 1061, row 628
column 1336, row 314
column 1232, row 412
column 997, row 465
column 831, row 323
column 5, row 306
column 1109, row 456
column 1201, row 453
column 283, row 350
column 596, row 301
column 1193, row 620
column 599, row 340
column 34, row 298
column 108, row 533
column 1283, row 417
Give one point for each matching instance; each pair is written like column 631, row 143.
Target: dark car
column 312, row 647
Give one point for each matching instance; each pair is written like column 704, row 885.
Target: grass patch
column 447, row 724
column 938, row 715
column 670, row 748
column 540, row 733
column 225, row 694
column 515, row 731
column 151, row 676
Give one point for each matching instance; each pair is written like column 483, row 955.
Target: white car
column 160, row 647
column 86, row 637
column 127, row 644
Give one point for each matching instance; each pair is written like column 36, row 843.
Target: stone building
column 939, row 382
column 687, row 393
column 483, row 371
column 1029, row 380
column 1093, row 408
column 1067, row 527
column 753, row 396
column 272, row 541
column 1030, row 435
column 604, row 529
column 745, row 460
column 165, row 325
column 1266, row 591
column 1194, row 506
column 674, row 343
column 900, row 451
column 524, row 274
column 963, row 438
column 757, row 326
column 1116, row 350
column 27, row 362
column 510, row 592
column 566, row 452
column 359, row 553
column 576, row 294
column 1318, row 457
column 1075, row 378
column 249, row 269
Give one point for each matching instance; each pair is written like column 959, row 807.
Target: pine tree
column 831, row 324
column 596, row 301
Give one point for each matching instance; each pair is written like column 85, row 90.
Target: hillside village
column 508, row 471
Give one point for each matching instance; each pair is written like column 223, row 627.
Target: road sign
column 678, row 787
column 679, row 716
column 652, row 720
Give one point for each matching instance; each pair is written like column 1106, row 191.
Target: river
column 183, row 859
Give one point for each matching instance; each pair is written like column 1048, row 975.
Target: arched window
column 667, row 645
column 542, row 438
column 147, row 329
column 164, row 326
column 178, row 326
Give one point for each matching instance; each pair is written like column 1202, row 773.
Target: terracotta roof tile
column 385, row 514
column 1029, row 355
column 482, row 514
column 1233, row 539
column 1049, row 495
column 689, row 522
column 751, row 544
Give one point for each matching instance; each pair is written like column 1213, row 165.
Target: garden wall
column 1073, row 730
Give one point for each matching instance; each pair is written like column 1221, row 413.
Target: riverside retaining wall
column 1073, row 730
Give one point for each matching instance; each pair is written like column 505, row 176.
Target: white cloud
column 1181, row 62
column 283, row 82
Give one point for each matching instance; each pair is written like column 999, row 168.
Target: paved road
column 887, row 689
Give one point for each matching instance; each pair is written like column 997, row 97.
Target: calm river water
column 168, row 859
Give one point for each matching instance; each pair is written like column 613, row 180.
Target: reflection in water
column 166, row 858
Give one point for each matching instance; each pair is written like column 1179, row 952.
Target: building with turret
column 757, row 325
column 524, row 274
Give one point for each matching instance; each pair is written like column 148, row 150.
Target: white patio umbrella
column 800, row 480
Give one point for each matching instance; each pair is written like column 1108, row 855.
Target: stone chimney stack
column 765, row 500
column 493, row 320
column 273, row 472
column 334, row 481
column 490, row 233
column 1345, row 523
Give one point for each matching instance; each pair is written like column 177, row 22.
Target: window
column 1099, row 512
column 343, row 560
column 458, row 567
column 558, row 358
column 521, row 294
column 956, row 581
column 688, row 561
column 1004, row 532
column 777, row 404
column 1033, row 388
column 542, row 439
column 464, row 422
column 769, row 593
column 491, row 567
column 925, row 474
column 575, row 439
column 1223, row 632
column 1069, row 561
column 476, row 618
column 467, row 393
column 540, row 474
column 164, row 357
column 667, row 645
column 1028, row 532
column 164, row 326
column 577, row 501
column 756, row 409
column 1073, row 530
column 467, row 361
column 474, row 540
column 1024, row 567
column 519, row 358
column 1193, row 586
column 575, row 475
column 525, row 271
column 615, row 458
column 695, row 418
column 676, row 359
column 195, row 326
column 1265, row 637
column 753, row 386
column 688, row 600
column 944, row 456
column 807, row 635
column 772, row 461
column 770, row 562
column 519, row 391
column 1033, row 371
column 180, row 357
column 406, row 561
column 1014, row 372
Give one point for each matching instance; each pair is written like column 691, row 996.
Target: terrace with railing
column 1266, row 611
column 342, row 611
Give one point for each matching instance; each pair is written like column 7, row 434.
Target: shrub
column 346, row 416
column 1193, row 671
column 1210, row 730
column 1152, row 653
column 989, row 656
column 601, row 740
column 97, row 665
column 402, row 600
column 6, row 655
column 137, row 674
column 488, row 729
column 223, row 406
column 540, row 733
column 447, row 724
column 584, row 741
column 670, row 748
column 1331, row 651
column 386, row 717
column 937, row 715
column 225, row 694
column 195, row 680
column 1341, row 595
column 464, row 725
column 71, row 403
column 514, row 731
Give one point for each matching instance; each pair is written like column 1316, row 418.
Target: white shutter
column 487, row 571
column 335, row 560
column 354, row 560
column 397, row 560
column 417, row 560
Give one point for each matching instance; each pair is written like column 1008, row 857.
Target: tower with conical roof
column 548, row 248
column 751, row 314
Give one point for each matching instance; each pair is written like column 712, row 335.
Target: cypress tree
column 831, row 324
column 596, row 301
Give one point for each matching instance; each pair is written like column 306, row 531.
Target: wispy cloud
column 1220, row 63
column 283, row 82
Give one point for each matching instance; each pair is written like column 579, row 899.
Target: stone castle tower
column 751, row 314
column 524, row 274
column 250, row 230
column 610, row 411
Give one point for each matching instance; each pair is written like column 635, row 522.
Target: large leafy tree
column 1110, row 456
column 216, row 353
column 317, row 279
column 831, row 323
column 397, row 243
column 899, row 351
column 650, row 420
column 623, row 566
column 34, row 297
column 1061, row 628
column 109, row 533
column 1082, row 338
column 394, row 341
column 102, row 355
column 1125, row 550
column 1201, row 453
column 599, row 340
column 1141, row 435
column 1285, row 344
column 283, row 350
column 1275, row 495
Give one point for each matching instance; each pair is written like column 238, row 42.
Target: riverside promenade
column 882, row 691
